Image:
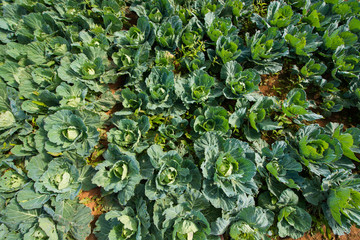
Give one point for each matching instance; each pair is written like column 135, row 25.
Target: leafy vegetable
column 119, row 173
column 66, row 130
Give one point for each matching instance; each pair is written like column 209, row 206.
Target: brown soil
column 115, row 108
column 132, row 17
column 279, row 84
column 88, row 198
column 117, row 85
column 269, row 84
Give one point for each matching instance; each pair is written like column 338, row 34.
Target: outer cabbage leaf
column 14, row 215
column 29, row 199
column 346, row 139
column 45, row 228
column 72, row 218
column 293, row 221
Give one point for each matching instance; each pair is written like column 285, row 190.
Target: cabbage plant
column 66, row 130
column 136, row 35
column 89, row 69
column 341, row 208
column 166, row 33
column 119, row 173
column 199, row 87
column 252, row 223
column 173, row 131
column 315, row 146
column 60, row 177
column 266, row 47
column 228, row 169
column 283, row 163
column 296, row 106
column 160, row 89
column 281, row 15
column 125, row 224
column 217, row 27
column 12, row 178
column 228, row 48
column 128, row 134
column 293, row 220
column 172, row 174
column 302, row 39
column 238, row 81
column 211, row 119
column 187, row 225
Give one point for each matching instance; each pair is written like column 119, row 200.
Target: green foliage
column 265, row 48
column 238, row 82
column 193, row 119
column 172, row 173
column 227, row 48
column 295, row 106
column 211, row 119
column 126, row 224
column 119, row 173
column 316, row 147
column 199, row 87
column 127, row 134
column 228, row 169
column 65, row 131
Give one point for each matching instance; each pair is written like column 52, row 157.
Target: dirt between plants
column 89, row 199
column 269, row 84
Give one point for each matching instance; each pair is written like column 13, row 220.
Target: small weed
column 260, row 7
